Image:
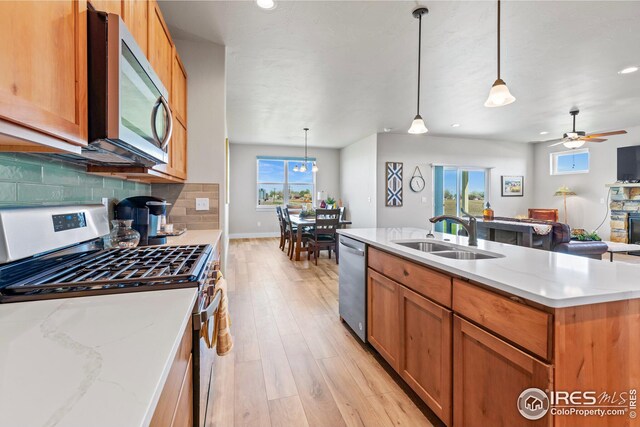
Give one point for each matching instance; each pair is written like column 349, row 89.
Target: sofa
column 560, row 240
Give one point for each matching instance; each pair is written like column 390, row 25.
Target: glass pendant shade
column 296, row 168
column 499, row 95
column 303, row 168
column 574, row 143
column 417, row 126
column 314, row 168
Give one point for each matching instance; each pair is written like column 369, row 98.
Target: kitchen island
column 470, row 336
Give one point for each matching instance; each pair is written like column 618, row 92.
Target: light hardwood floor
column 294, row 363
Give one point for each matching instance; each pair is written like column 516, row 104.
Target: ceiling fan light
column 574, row 143
column 314, row 168
column 572, row 135
column 417, row 126
column 499, row 95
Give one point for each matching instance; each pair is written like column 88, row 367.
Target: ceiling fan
column 576, row 139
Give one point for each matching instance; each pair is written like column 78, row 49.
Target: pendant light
column 417, row 126
column 303, row 166
column 499, row 94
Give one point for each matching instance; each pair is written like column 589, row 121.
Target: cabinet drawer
column 525, row 326
column 425, row 281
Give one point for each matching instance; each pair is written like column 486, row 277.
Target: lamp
column 499, row 94
column 322, row 195
column 564, row 192
column 418, row 126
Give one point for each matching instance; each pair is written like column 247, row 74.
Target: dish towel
column 222, row 338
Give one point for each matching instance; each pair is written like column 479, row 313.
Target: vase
column 122, row 235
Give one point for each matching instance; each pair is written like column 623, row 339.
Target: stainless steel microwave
column 130, row 121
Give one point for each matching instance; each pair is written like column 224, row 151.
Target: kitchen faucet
column 469, row 225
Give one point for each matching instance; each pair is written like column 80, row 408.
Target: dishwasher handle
column 352, row 249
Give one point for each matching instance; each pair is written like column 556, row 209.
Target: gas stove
column 56, row 252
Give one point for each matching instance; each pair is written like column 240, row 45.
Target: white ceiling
column 347, row 69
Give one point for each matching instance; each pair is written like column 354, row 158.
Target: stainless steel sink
column 465, row 255
column 425, row 246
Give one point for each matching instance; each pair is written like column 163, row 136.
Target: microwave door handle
column 169, row 125
column 154, row 116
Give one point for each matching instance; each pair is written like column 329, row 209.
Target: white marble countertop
column 549, row 278
column 98, row 361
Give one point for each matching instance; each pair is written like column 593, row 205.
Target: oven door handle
column 204, row 315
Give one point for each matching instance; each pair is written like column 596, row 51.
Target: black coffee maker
column 148, row 214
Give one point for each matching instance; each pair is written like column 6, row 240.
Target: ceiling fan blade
column 597, row 135
column 586, row 139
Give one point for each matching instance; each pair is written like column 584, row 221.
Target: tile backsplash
column 182, row 213
column 28, row 179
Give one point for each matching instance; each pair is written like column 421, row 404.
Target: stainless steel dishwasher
column 353, row 285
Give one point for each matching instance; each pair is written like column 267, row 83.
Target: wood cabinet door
column 488, row 377
column 425, row 351
column 178, row 153
column 160, row 46
column 183, row 416
column 179, row 90
column 43, row 71
column 383, row 322
column 135, row 15
column 109, row 6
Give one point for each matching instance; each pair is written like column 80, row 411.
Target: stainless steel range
column 57, row 252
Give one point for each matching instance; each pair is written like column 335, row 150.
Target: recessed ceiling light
column 266, row 4
column 455, row 125
column 544, row 132
column 387, row 129
column 628, row 70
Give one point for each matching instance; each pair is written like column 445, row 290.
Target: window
column 279, row 184
column 568, row 162
column 457, row 188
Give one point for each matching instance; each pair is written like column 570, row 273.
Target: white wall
column 243, row 214
column 506, row 158
column 589, row 207
column 358, row 181
column 207, row 120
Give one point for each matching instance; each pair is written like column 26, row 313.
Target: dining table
column 306, row 222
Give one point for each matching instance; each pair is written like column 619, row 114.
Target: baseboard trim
column 253, row 235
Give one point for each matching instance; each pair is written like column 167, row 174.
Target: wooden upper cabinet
column 179, row 90
column 43, row 71
column 383, row 322
column 425, row 351
column 160, row 47
column 109, row 6
column 178, row 153
column 489, row 376
column 135, row 14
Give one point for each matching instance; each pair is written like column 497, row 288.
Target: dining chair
column 291, row 232
column 324, row 235
column 283, row 236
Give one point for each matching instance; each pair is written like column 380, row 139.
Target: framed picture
column 512, row 186
column 394, row 184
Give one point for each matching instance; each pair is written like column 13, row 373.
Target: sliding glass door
column 459, row 188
